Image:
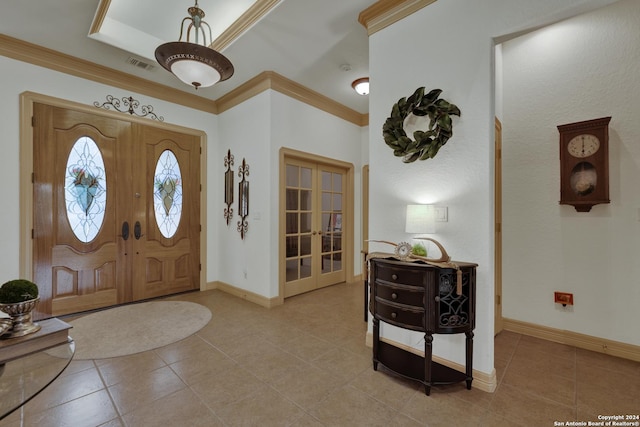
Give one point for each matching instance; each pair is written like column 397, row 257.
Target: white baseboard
column 587, row 342
column 244, row 294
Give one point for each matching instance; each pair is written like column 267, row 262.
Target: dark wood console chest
column 424, row 298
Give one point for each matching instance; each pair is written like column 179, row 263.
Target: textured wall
column 580, row 69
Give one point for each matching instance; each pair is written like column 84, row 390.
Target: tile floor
column 306, row 364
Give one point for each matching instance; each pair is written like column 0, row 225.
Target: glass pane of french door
column 332, row 195
column 299, row 222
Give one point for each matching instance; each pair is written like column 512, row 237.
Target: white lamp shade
column 191, row 72
column 420, row 219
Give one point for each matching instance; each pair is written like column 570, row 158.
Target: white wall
column 246, row 131
column 579, row 69
column 17, row 77
column 448, row 45
column 257, row 129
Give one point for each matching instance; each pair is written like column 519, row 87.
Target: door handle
column 125, row 230
column 137, row 230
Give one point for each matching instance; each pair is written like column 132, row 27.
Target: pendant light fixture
column 196, row 63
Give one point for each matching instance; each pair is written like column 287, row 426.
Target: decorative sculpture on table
column 228, row 186
column 243, row 198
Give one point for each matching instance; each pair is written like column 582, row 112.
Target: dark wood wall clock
column 584, row 163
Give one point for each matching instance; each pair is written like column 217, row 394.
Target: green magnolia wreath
column 425, row 144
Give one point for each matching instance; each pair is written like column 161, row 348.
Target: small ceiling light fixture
column 361, row 86
column 194, row 63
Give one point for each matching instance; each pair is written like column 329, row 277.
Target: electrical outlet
column 563, row 298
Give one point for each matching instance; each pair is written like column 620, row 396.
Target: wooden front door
column 166, row 261
column 101, row 193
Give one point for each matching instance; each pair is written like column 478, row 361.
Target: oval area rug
column 134, row 328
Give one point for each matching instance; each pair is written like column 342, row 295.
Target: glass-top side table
column 23, row 378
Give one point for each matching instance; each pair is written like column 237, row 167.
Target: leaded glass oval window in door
column 85, row 189
column 167, row 193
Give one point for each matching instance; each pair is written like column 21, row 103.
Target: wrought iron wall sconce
column 228, row 186
column 131, row 104
column 243, row 198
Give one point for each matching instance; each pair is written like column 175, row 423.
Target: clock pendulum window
column 584, row 163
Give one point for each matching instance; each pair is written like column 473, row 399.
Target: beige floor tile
column 308, row 387
column 585, row 358
column 220, row 389
column 182, row 408
column 349, row 406
column 77, row 366
column 118, row 369
column 307, row 347
column 265, row 408
column 539, row 345
column 441, row 408
column 554, row 387
column 191, row 369
column 271, row 363
column 113, row 423
column 89, row 410
column 182, row 349
column 531, row 409
column 144, row 389
column 65, row 389
column 387, row 387
column 614, row 395
column 342, row 363
column 306, row 420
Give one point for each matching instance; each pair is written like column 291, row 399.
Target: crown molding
column 43, row 57
column 51, row 59
column 255, row 13
column 386, row 12
column 98, row 18
column 274, row 81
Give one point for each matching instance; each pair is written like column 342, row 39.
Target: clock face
column 403, row 250
column 584, row 145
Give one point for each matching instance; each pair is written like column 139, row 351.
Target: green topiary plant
column 419, row 249
column 18, row 290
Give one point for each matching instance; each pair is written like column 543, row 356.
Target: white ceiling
column 306, row 41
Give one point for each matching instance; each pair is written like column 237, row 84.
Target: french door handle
column 137, row 230
column 125, row 230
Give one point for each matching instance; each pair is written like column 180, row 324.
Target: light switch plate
column 441, row 213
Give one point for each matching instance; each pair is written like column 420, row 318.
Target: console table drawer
column 401, row 315
column 409, row 295
column 400, row 275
